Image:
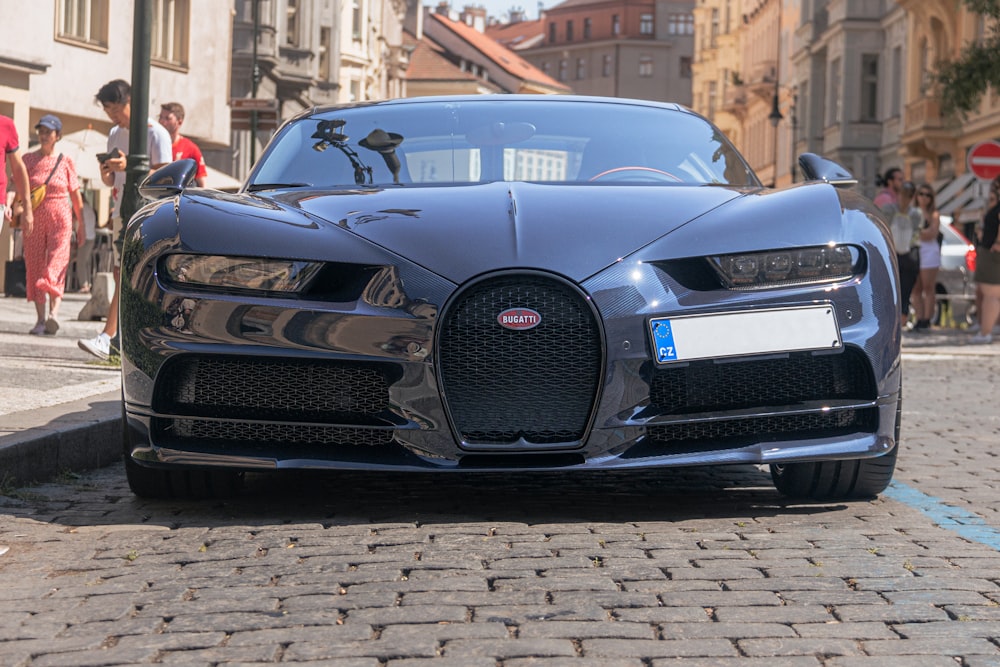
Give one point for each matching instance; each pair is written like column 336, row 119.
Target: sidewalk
column 59, row 406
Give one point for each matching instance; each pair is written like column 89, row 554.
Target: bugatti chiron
column 508, row 283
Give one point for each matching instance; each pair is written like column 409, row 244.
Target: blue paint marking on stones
column 968, row 525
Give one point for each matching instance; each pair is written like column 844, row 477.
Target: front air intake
column 520, row 387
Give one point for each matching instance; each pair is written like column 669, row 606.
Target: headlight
column 774, row 268
column 247, row 273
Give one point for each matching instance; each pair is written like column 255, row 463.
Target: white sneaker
column 981, row 339
column 99, row 345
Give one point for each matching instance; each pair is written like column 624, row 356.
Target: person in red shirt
column 10, row 152
column 171, row 118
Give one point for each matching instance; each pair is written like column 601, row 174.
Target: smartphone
column 103, row 157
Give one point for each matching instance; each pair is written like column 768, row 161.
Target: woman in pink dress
column 47, row 247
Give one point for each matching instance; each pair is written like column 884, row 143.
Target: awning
column 962, row 194
column 83, row 146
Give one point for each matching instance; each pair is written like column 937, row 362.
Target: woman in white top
column 924, row 293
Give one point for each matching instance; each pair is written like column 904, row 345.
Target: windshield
column 478, row 141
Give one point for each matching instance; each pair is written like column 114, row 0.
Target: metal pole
column 137, row 161
column 254, row 80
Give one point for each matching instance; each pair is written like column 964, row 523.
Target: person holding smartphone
column 116, row 97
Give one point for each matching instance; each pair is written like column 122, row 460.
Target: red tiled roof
column 512, row 35
column 506, row 59
column 428, row 63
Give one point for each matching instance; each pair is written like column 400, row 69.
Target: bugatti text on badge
column 519, row 319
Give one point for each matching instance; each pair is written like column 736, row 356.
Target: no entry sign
column 984, row 160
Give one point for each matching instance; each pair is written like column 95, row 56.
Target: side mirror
column 817, row 168
column 169, row 180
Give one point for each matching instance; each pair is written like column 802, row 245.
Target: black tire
column 839, row 480
column 198, row 483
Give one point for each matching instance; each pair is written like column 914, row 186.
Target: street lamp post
column 795, row 130
column 775, row 117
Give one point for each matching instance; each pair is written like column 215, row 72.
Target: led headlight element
column 249, row 273
column 759, row 270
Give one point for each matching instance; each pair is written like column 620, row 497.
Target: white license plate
column 690, row 337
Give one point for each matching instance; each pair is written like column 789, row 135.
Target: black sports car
column 508, row 283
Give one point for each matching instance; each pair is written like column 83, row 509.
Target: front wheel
column 162, row 483
column 832, row 480
column 847, row 479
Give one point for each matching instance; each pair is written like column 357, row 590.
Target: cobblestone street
column 708, row 566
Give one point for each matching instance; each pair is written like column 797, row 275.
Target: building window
column 680, row 24
column 83, row 21
column 569, row 31
column 552, row 33
column 170, row 32
column 895, row 101
column 616, row 25
column 355, row 91
column 581, row 69
column 292, row 23
column 685, row 72
column 325, row 53
column 645, row 65
column 562, row 70
column 587, row 26
column 715, row 29
column 833, row 108
column 356, row 20
column 547, row 68
column 869, row 87
column 645, row 24
column 712, row 99
column 606, row 66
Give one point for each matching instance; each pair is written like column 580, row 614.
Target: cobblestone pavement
column 700, row 566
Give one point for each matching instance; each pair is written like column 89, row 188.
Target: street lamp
column 775, row 117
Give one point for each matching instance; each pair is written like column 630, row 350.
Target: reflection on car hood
column 459, row 232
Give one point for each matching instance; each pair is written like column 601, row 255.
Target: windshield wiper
column 256, row 187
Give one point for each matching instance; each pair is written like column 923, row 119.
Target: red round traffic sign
column 984, row 160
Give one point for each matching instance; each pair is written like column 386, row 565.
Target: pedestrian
column 85, row 252
column 47, row 244
column 891, row 184
column 925, row 291
column 116, row 99
column 171, row 118
column 988, row 268
column 905, row 221
column 22, row 189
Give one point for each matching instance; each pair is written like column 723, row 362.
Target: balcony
column 923, row 115
column 735, row 100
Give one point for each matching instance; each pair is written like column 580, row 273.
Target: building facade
column 620, row 48
column 848, row 79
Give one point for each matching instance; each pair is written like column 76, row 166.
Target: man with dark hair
column 891, row 184
column 171, row 118
column 116, row 99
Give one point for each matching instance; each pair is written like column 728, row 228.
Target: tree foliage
column 963, row 81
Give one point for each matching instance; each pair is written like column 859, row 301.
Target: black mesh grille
column 707, row 386
column 212, row 432
column 272, row 389
column 781, row 426
column 713, row 387
column 538, row 384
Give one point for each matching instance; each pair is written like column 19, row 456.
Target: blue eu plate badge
column 663, row 341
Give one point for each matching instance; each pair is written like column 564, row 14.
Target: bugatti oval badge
column 519, row 319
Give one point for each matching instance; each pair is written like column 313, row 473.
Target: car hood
column 459, row 232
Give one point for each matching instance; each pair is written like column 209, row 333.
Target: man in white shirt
column 116, row 99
